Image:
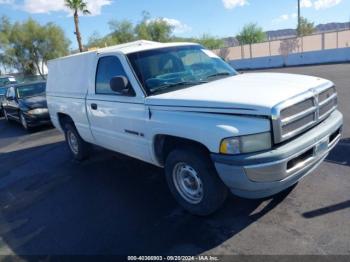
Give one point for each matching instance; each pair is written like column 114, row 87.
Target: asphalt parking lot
column 111, row 204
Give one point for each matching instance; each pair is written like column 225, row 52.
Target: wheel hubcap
column 188, row 183
column 73, row 142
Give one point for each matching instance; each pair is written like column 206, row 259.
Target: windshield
column 31, row 90
column 168, row 69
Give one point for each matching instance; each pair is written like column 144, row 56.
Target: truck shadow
column 340, row 154
column 109, row 204
column 12, row 129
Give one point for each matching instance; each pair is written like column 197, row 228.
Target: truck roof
column 140, row 45
column 131, row 47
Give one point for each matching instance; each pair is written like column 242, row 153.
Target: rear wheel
column 77, row 146
column 193, row 181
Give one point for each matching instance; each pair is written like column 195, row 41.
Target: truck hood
column 251, row 93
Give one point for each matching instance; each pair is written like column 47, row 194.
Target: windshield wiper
column 184, row 83
column 219, row 74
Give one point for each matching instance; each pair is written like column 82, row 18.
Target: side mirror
column 119, row 84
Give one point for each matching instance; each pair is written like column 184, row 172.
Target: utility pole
column 298, row 31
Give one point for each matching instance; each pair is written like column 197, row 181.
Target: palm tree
column 77, row 6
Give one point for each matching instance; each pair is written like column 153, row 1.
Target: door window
column 107, row 68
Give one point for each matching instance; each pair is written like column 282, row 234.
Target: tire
column 76, row 145
column 193, row 181
column 23, row 122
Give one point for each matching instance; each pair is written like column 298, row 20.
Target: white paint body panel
column 190, row 113
column 252, row 93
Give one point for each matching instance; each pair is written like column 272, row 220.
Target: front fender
column 205, row 128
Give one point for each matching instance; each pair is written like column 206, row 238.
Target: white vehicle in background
column 181, row 107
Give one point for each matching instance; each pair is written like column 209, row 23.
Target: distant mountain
column 322, row 28
column 288, row 33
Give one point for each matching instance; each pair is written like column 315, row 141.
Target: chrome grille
column 326, row 94
column 297, row 108
column 327, row 102
column 295, row 125
column 324, row 109
column 295, row 115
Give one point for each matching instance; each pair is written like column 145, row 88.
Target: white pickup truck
column 181, row 107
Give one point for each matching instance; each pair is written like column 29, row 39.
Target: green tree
column 16, row 51
column 305, row 27
column 210, row 42
column 6, row 62
column 96, row 41
column 30, row 45
column 122, row 31
column 251, row 34
column 5, row 31
column 153, row 29
column 77, row 6
column 148, row 29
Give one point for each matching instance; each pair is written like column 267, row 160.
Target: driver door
column 117, row 121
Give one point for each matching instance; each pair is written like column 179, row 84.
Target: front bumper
column 37, row 119
column 266, row 173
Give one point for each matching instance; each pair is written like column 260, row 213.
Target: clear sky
column 190, row 17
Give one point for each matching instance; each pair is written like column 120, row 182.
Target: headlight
column 246, row 144
column 38, row 111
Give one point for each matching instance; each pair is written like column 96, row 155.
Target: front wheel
column 77, row 146
column 23, row 121
column 193, row 181
column 5, row 115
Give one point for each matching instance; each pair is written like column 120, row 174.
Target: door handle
column 93, row 106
